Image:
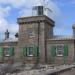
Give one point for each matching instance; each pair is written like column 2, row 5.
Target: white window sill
column 31, row 36
column 59, row 55
column 30, row 55
column 7, row 55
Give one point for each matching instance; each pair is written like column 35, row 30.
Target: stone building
column 36, row 43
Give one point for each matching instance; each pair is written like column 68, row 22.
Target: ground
column 21, row 69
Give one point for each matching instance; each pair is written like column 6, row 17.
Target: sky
column 63, row 13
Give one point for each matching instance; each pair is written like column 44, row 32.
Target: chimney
column 16, row 35
column 7, row 34
column 73, row 27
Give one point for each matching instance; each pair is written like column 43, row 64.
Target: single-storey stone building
column 36, row 43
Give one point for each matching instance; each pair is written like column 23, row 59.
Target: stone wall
column 60, row 59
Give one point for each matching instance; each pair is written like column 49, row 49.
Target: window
column 30, row 33
column 6, row 52
column 9, row 51
column 30, row 51
column 40, row 10
column 59, row 50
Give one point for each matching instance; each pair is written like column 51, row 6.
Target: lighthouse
column 42, row 9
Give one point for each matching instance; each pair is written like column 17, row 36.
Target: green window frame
column 1, row 52
column 36, row 51
column 24, row 51
column 65, row 50
column 59, row 50
column 11, row 51
column 53, row 51
column 30, row 51
column 8, row 51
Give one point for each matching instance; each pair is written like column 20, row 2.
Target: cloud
column 4, row 11
column 13, row 28
column 13, row 3
column 25, row 7
column 25, row 12
column 72, row 1
column 56, row 13
column 4, row 25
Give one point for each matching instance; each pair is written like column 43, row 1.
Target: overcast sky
column 63, row 13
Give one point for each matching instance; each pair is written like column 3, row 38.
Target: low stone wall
column 49, row 70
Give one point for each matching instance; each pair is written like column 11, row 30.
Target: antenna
column 45, row 4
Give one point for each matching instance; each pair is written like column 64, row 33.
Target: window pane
column 6, row 52
column 30, row 33
column 30, row 51
column 60, row 50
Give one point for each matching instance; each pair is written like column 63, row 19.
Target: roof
column 58, row 37
column 10, row 40
column 33, row 19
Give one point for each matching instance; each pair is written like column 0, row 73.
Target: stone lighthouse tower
column 33, row 34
